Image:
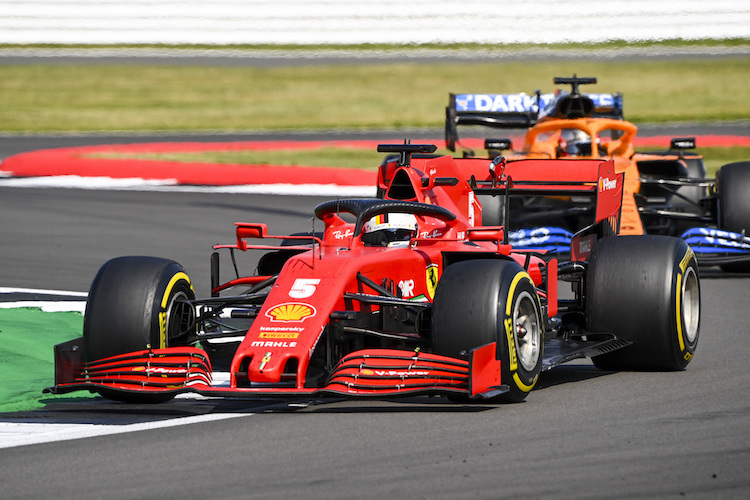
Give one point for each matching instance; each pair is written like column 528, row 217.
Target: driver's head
column 574, row 142
column 389, row 229
column 573, row 135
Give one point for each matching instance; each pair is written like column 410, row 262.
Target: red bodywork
column 331, row 279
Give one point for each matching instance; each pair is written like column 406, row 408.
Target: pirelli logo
column 278, row 335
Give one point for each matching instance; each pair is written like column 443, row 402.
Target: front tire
column 644, row 289
column 478, row 302
column 137, row 303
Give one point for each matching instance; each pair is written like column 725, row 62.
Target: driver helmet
column 574, row 142
column 389, row 230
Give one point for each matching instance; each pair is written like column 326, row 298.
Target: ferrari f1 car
column 665, row 192
column 408, row 295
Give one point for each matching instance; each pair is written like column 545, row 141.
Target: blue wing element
column 542, row 239
column 717, row 247
column 707, row 240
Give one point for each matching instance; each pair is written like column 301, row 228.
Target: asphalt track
column 582, row 433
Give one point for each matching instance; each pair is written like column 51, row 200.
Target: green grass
column 336, row 157
column 714, row 158
column 86, row 98
column 28, row 338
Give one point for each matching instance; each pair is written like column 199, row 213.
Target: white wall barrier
column 356, row 21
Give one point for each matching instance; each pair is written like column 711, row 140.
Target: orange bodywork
column 613, row 140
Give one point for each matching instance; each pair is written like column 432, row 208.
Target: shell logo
column 293, row 312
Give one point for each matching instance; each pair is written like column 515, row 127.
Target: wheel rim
column 690, row 304
column 526, row 331
column 180, row 316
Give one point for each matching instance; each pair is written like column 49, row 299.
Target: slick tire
column 646, row 290
column 136, row 303
column 478, row 302
column 733, row 186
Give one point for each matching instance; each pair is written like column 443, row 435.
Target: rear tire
column 478, row 302
column 644, row 289
column 733, row 186
column 137, row 303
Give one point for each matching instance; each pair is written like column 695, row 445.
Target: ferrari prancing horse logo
column 432, row 280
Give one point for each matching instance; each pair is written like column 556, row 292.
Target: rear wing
column 566, row 177
column 592, row 178
column 522, row 111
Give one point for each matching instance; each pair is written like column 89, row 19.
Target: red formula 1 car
column 408, row 295
column 666, row 192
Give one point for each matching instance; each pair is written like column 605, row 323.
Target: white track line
column 22, row 434
column 46, row 305
column 46, row 292
column 170, row 185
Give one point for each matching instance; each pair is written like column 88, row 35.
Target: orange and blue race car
column 665, row 192
column 406, row 295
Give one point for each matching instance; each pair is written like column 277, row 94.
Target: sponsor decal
column 159, row 369
column 605, row 184
column 290, row 312
column 513, row 360
column 270, row 343
column 407, row 288
column 341, row 235
column 678, row 302
column 686, row 259
column 264, row 361
column 278, row 335
column 395, row 373
column 303, row 287
column 432, row 279
column 508, row 322
column 584, row 246
column 295, row 329
column 602, row 100
column 520, row 103
column 428, row 235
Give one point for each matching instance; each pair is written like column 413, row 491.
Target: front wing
column 371, row 372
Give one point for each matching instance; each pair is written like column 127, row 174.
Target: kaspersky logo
column 605, row 184
column 290, row 312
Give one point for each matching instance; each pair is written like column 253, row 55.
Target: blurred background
column 306, row 22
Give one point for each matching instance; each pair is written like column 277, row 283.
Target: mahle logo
column 291, row 312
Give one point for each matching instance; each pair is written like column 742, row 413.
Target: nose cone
column 267, row 368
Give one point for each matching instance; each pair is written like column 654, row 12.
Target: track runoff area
column 98, row 167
